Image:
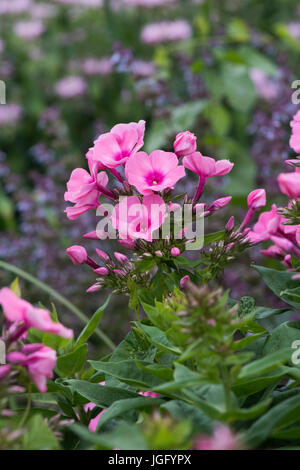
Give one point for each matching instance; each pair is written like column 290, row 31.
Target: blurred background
column 75, row 68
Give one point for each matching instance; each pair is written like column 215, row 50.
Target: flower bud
column 230, row 224
column 102, row 271
column 257, row 199
column 185, row 144
column 77, row 254
column 120, row 257
column 102, row 255
column 184, row 281
column 175, row 251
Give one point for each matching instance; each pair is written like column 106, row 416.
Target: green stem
column 227, row 387
column 27, row 410
column 57, row 296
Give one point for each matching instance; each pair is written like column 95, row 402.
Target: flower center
column 154, row 178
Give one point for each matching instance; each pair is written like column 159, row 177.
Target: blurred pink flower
column 103, row 66
column 14, row 7
column 294, row 29
column 166, row 31
column 29, row 29
column 39, row 360
column 10, row 114
column 19, row 310
column 289, row 184
column 222, row 439
column 265, row 87
column 154, row 172
column 257, row 199
column 267, row 224
column 70, row 87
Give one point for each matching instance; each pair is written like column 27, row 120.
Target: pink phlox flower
column 115, row 147
column 39, row 360
column 154, row 172
column 134, row 219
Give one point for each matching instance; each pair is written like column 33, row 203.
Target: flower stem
column 27, row 410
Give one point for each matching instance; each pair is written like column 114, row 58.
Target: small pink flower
column 175, row 251
column 84, row 190
column 154, row 172
column 272, row 252
column 257, row 199
column 289, row 184
column 207, row 167
column 267, row 224
column 115, row 147
column 222, row 439
column 185, row 144
column 219, row 204
column 77, row 254
column 39, row 360
column 71, row 87
column 4, row 371
column 134, row 219
column 19, row 310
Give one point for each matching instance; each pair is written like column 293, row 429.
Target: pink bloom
column 222, row 439
column 39, row 360
column 84, row 190
column 77, row 254
column 134, row 219
column 265, row 87
column 267, row 224
column 10, row 114
column 154, row 172
column 19, row 310
column 29, row 29
column 230, row 224
column 175, row 251
column 185, row 144
column 289, row 184
column 166, row 31
column 70, row 87
column 115, row 147
column 272, row 252
column 206, row 167
column 257, row 199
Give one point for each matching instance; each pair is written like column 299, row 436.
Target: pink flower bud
column 128, row 244
column 94, row 288
column 230, row 224
column 257, row 199
column 159, row 253
column 102, row 271
column 91, row 235
column 4, row 371
column 119, row 272
column 175, row 251
column 120, row 257
column 77, row 254
column 173, row 207
column 219, row 203
column 102, row 255
column 185, row 144
column 184, row 281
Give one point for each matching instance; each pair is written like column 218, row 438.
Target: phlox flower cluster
column 139, row 188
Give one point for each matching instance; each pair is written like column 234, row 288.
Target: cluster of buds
column 115, row 274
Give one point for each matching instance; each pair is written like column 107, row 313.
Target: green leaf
column 265, row 425
column 38, row 435
column 238, row 87
column 282, row 337
column 72, row 362
column 120, row 407
column 279, row 282
column 158, row 338
column 124, row 437
column 92, row 324
column 101, row 395
column 127, row 371
column 266, row 363
column 249, row 386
